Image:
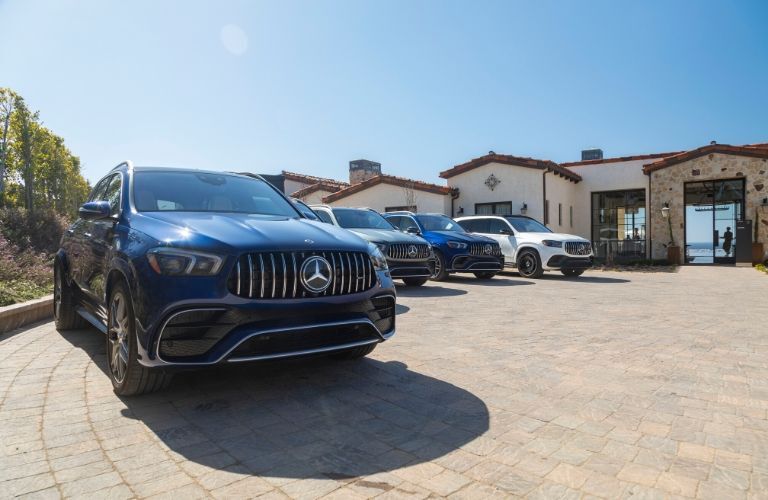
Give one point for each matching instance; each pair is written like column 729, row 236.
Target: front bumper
column 410, row 268
column 475, row 263
column 234, row 329
column 566, row 262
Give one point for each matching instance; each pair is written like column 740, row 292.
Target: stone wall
column 667, row 186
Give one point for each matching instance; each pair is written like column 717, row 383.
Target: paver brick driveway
column 639, row 385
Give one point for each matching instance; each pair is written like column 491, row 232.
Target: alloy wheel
column 528, row 264
column 118, row 337
column 438, row 268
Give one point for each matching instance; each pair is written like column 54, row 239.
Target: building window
column 405, row 208
column 499, row 208
column 546, row 212
column 559, row 214
column 571, row 215
column 619, row 225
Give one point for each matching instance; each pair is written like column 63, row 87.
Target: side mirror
column 413, row 230
column 94, row 210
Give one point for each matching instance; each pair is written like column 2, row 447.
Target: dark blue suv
column 191, row 268
column 456, row 251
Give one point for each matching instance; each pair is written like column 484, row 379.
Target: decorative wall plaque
column 492, row 181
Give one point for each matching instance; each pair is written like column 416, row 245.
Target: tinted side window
column 98, row 192
column 468, row 225
column 112, row 193
column 497, row 226
column 324, row 216
column 480, row 226
column 395, row 221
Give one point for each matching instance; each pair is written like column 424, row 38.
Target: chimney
column 362, row 170
column 591, row 154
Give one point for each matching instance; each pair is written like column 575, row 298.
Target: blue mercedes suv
column 455, row 250
column 188, row 268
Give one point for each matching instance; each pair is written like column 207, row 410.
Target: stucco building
column 630, row 207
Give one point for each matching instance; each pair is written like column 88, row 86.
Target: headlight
column 382, row 247
column 177, row 262
column 457, row 244
column 378, row 259
column 553, row 243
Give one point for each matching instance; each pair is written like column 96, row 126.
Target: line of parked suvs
column 186, row 268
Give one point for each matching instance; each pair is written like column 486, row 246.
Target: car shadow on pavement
column 428, row 291
column 495, row 281
column 583, row 278
column 305, row 418
column 401, row 309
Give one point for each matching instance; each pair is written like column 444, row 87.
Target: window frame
column 494, row 207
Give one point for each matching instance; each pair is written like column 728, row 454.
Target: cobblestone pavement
column 642, row 385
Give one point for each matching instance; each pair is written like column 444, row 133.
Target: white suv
column 532, row 247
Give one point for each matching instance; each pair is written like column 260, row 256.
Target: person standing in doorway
column 727, row 241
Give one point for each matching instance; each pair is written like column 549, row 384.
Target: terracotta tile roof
column 387, row 179
column 318, row 186
column 618, row 159
column 519, row 161
column 311, row 179
column 752, row 150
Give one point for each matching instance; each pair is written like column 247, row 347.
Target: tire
column 529, row 264
column 355, row 353
column 129, row 378
column 486, row 275
column 415, row 281
column 440, row 273
column 572, row 273
column 65, row 302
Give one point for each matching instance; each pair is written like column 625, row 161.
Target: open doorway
column 711, row 211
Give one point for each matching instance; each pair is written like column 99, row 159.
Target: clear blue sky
column 416, row 85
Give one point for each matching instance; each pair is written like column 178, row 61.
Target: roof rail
column 401, row 212
column 126, row 163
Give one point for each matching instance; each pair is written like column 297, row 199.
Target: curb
column 18, row 315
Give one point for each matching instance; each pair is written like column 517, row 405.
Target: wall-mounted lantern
column 524, row 209
column 460, row 211
column 665, row 211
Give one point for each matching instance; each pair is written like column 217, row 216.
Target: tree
column 7, row 100
column 409, row 193
column 36, row 167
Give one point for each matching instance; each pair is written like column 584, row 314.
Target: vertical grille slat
column 277, row 275
column 250, row 276
column 238, row 276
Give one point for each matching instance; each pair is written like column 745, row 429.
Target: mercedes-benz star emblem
column 316, row 274
column 412, row 251
column 488, row 249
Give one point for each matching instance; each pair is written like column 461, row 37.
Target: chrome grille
column 578, row 248
column 408, row 251
column 485, row 249
column 276, row 275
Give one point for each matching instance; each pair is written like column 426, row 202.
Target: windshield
column 439, row 223
column 189, row 191
column 525, row 225
column 350, row 218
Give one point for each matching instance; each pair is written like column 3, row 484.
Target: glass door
column 711, row 211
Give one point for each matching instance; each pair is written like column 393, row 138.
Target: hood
column 385, row 236
column 464, row 237
column 245, row 232
column 539, row 237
